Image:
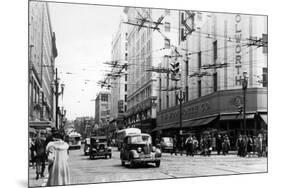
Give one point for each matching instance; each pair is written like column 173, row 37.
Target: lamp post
column 244, row 88
column 57, row 93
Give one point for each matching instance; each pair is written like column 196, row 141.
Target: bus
column 74, row 140
column 121, row 134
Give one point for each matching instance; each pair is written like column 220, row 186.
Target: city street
column 84, row 170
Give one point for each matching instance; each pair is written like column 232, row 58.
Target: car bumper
column 167, row 148
column 146, row 160
column 100, row 153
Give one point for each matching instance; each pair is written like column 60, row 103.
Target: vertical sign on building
column 238, row 50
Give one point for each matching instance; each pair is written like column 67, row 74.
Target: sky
column 83, row 38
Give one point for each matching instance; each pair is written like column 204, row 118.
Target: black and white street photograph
column 128, row 93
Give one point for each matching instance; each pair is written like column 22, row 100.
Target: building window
column 199, row 60
column 215, row 82
column 125, row 98
column 199, row 88
column 182, row 18
column 182, row 34
column 167, row 27
column 167, row 98
column 104, row 97
column 125, row 108
column 126, row 56
column 264, row 77
column 167, row 43
column 215, row 46
column 125, row 87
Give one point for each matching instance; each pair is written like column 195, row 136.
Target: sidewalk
column 32, row 178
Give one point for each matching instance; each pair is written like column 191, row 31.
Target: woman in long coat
column 58, row 164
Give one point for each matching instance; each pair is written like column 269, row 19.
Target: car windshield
column 167, row 139
column 136, row 139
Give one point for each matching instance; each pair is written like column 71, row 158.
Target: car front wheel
column 131, row 163
column 157, row 163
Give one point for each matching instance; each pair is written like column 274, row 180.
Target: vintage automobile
column 138, row 149
column 87, row 146
column 99, row 147
column 166, row 144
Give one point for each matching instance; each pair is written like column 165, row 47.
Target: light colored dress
column 58, row 159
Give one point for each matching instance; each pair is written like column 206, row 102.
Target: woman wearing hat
column 57, row 157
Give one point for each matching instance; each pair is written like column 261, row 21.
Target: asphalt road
column 84, row 170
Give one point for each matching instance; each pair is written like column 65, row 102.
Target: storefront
column 143, row 115
column 217, row 112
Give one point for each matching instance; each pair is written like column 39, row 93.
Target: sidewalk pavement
column 32, row 178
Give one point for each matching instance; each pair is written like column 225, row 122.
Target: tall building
column 42, row 54
column 219, row 52
column 118, row 83
column 102, row 109
column 147, row 48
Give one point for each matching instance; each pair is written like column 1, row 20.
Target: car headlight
column 153, row 148
column 139, row 149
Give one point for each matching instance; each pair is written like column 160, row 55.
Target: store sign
column 238, row 50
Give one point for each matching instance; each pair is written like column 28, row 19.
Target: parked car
column 166, row 144
column 138, row 149
column 99, row 147
column 87, row 146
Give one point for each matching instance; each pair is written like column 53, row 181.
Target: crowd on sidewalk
column 49, row 146
column 244, row 145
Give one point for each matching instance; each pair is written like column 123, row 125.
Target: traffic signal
column 175, row 70
column 240, row 109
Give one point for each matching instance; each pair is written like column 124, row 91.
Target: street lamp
column 244, row 88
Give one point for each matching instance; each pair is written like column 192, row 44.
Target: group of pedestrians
column 49, row 146
column 252, row 145
column 221, row 144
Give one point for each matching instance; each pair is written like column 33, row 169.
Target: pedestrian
column 254, row 145
column 58, row 159
column 209, row 142
column 181, row 145
column 225, row 145
column 213, row 141
column 189, row 145
column 249, row 146
column 175, row 143
column 244, row 145
column 195, row 145
column 39, row 154
column 239, row 146
column 31, row 151
column 219, row 144
column 260, row 145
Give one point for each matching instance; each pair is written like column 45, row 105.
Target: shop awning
column 40, row 124
column 198, row 122
column 236, row 117
column 166, row 127
column 264, row 117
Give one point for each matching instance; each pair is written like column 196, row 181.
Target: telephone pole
column 244, row 88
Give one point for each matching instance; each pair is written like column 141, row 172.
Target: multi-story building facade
column 118, row 82
column 102, row 109
column 218, row 56
column 42, row 54
column 147, row 48
column 84, row 125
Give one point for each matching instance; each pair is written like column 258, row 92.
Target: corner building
column 216, row 55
